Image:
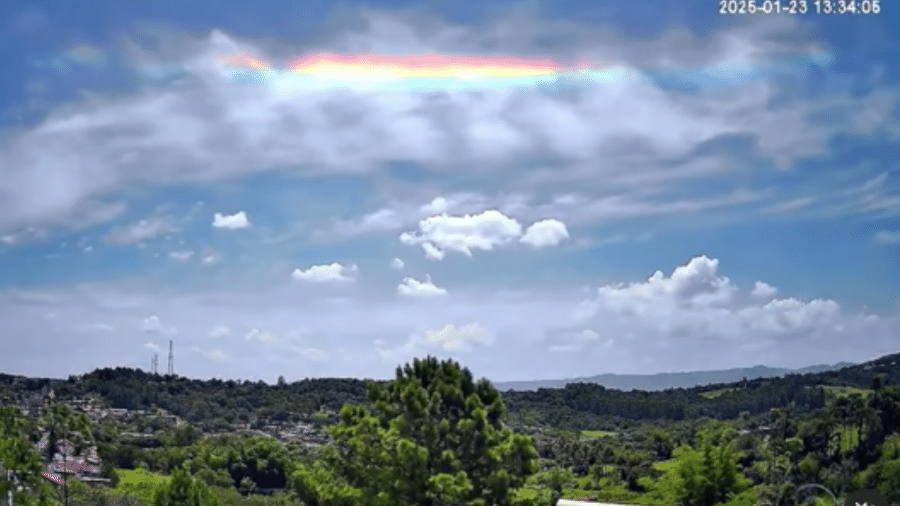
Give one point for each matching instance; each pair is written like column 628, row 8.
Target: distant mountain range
column 663, row 381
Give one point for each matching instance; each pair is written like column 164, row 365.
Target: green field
column 139, row 482
column 593, row 434
column 840, row 391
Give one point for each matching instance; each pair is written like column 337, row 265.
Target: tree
column 182, row 490
column 20, row 464
column 69, row 434
column 434, row 437
column 709, row 476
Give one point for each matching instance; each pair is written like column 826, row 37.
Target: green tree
column 435, row 437
column 182, row 490
column 20, row 464
column 68, row 434
column 709, row 476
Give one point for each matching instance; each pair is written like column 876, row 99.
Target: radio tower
column 171, row 359
column 154, row 364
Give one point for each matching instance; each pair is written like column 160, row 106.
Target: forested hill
column 575, row 406
column 667, row 380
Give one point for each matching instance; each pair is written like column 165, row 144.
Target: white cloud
column 181, row 256
column 885, row 237
column 219, row 331
column 210, row 128
column 150, row 345
column 143, row 230
column 437, row 206
column 548, row 232
column 260, row 336
column 763, row 290
column 412, row 287
column 453, row 338
column 484, row 231
column 432, row 252
column 217, row 355
column 233, row 221
column 99, row 327
column 397, row 264
column 382, row 219
column 152, row 325
column 326, row 273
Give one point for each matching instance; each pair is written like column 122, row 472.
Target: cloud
column 453, row 338
column 180, row 132
column 326, row 273
column 763, row 290
column 181, row 256
column 150, row 345
column 217, row 355
column 543, row 233
column 219, row 331
column 885, row 237
column 483, row 231
column 380, row 220
column 448, row 339
column 432, row 252
column 397, row 264
column 412, row 287
column 261, row 337
column 233, row 221
column 152, row 325
column 143, row 230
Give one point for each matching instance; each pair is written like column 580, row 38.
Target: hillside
column 663, row 381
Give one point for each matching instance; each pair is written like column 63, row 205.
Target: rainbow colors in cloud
column 443, row 71
column 409, row 71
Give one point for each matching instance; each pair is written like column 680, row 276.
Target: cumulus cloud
column 483, row 231
column 233, row 221
column 886, row 237
column 453, row 338
column 412, row 287
column 548, row 232
column 326, row 273
column 694, row 313
column 397, row 264
column 152, row 325
column 763, row 290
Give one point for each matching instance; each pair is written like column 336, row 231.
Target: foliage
column 435, row 437
column 182, row 490
column 20, row 464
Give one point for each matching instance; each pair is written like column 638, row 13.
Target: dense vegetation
column 434, row 436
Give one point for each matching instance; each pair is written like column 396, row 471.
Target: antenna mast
column 171, row 359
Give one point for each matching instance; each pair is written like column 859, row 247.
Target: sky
column 535, row 189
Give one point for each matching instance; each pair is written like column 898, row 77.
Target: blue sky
column 724, row 195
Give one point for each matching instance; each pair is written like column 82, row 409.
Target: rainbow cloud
column 441, row 71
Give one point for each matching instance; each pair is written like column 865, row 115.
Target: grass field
column 837, row 391
column 593, row 434
column 140, row 482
